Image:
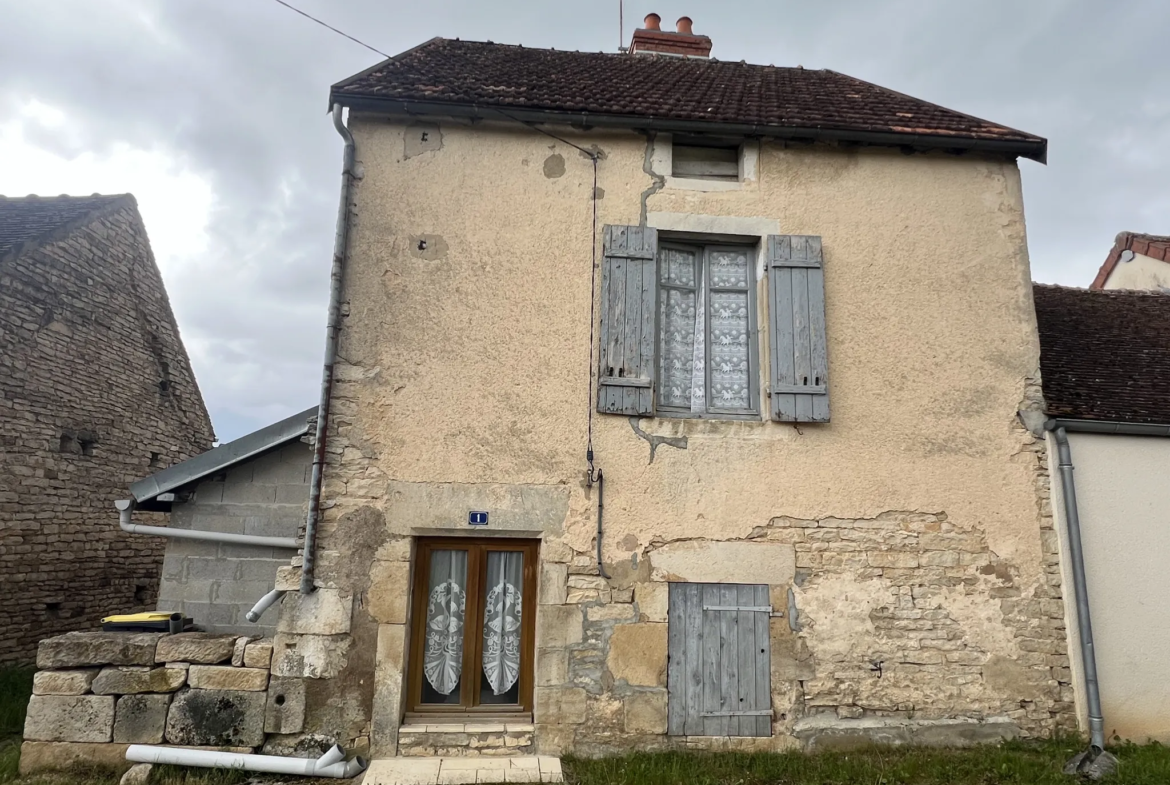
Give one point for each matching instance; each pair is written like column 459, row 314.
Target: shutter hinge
column 745, row 713
column 750, row 608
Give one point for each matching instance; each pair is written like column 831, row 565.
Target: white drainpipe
column 126, row 513
column 331, row 764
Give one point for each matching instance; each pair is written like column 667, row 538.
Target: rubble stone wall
column 96, row 391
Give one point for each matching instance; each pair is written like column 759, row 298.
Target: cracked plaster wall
column 917, row 521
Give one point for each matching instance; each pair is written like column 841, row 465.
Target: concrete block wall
column 215, row 583
column 96, row 391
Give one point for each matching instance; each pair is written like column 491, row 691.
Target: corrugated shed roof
column 1104, row 355
column 470, row 73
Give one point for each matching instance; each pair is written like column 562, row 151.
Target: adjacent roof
column 1104, row 355
column 30, row 220
column 679, row 93
column 1153, row 245
column 220, row 458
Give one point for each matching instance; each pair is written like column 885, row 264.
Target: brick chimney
column 652, row 39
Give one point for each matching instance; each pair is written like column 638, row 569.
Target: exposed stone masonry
column 96, row 391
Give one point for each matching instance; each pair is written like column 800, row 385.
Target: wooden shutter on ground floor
column 796, row 316
column 629, row 288
column 719, row 678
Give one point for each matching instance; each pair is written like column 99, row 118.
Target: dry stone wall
column 96, row 693
column 96, row 391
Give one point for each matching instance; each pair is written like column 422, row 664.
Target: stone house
column 1136, row 261
column 677, row 403
column 95, row 390
column 1105, row 361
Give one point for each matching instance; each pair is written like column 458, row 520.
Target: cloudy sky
column 212, row 112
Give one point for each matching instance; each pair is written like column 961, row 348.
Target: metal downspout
column 332, row 331
column 1080, row 589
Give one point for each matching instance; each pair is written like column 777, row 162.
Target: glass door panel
column 502, row 628
column 446, row 621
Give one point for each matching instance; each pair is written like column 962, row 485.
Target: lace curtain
column 723, row 335
column 446, row 614
column 501, row 619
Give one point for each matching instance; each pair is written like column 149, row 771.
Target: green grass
column 1015, row 763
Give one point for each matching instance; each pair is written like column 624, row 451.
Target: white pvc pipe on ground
column 331, row 764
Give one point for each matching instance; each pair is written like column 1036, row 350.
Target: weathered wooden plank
column 649, row 318
column 818, row 343
column 745, row 698
column 729, row 658
column 780, row 317
column 712, row 697
column 763, row 662
column 694, row 626
column 802, row 346
column 631, row 350
column 676, row 661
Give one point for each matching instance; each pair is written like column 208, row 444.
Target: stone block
column 434, row 505
column 324, row 612
column 560, row 705
column 141, row 719
column 553, row 583
column 258, row 654
column 86, row 649
column 309, row 656
column 559, row 626
column 285, row 710
column 896, row 559
column 216, row 718
column 389, row 592
column 288, row 578
column 706, row 561
column 389, row 666
column 556, row 551
column 225, row 677
column 133, row 679
column 38, row 756
column 637, row 654
column 238, row 652
column 652, row 600
column 75, row 682
column 69, row 718
column 645, row 712
column 203, row 648
column 552, row 667
column 611, row 612
column 138, row 774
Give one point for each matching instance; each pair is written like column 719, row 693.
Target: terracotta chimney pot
column 653, row 22
column 684, row 25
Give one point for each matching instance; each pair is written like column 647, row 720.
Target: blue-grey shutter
column 718, row 673
column 796, row 308
column 629, row 296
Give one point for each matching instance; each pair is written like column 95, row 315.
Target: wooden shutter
column 629, row 297
column 719, row 677
column 796, row 307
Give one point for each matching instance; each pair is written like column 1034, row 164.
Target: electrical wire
column 331, row 27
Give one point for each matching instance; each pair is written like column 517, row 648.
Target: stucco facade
column 1140, row 272
column 1121, row 501
column 907, row 544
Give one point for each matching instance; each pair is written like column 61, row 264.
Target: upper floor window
column 703, row 159
column 706, row 330
column 678, row 328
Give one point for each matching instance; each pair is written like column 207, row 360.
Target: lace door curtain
column 501, row 619
column 446, row 616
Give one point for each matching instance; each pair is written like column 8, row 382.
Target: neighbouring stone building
column 810, row 308
column 95, row 391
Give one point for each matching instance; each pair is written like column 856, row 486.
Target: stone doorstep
column 483, row 738
column 463, row 770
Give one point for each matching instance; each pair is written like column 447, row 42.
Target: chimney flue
column 683, row 25
column 652, row 22
column 653, row 40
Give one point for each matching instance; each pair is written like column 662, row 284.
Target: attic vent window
column 704, row 159
column 86, row 446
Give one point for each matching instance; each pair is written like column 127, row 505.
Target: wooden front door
column 474, row 626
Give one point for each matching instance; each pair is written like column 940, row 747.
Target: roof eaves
column 1035, row 148
column 363, row 74
column 222, row 457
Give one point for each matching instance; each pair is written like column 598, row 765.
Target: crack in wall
column 659, row 182
column 678, row 442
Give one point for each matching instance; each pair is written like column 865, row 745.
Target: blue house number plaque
column 477, row 518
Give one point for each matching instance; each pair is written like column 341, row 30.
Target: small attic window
column 705, row 159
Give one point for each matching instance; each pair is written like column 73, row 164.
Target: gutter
column 126, row 514
column 1080, row 587
column 1110, row 426
column 332, row 333
column 1035, row 150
